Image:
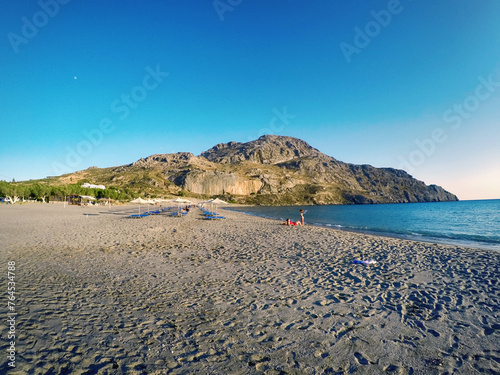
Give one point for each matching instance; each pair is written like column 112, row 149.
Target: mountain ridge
column 271, row 170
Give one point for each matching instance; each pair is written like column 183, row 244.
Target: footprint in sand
column 490, row 330
column 433, row 333
column 391, row 368
column 360, row 359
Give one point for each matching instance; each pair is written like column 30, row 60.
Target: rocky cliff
column 275, row 170
column 301, row 174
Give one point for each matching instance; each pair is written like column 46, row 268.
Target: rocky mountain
column 271, row 170
column 268, row 149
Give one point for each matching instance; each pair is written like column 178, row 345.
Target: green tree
column 58, row 191
column 40, row 192
column 22, row 191
column 9, row 191
column 5, row 188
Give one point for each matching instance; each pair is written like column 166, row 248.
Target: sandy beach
column 99, row 293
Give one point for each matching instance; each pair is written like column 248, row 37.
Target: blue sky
column 404, row 84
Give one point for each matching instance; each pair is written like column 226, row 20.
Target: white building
column 92, row 186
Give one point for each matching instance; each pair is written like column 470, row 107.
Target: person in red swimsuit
column 289, row 222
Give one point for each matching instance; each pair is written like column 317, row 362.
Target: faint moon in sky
column 74, row 77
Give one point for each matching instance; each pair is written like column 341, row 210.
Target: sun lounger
column 214, row 217
column 137, row 216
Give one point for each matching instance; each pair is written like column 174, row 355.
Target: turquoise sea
column 464, row 223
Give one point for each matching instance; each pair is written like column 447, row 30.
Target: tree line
column 20, row 191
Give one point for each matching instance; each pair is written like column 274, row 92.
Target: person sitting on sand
column 289, row 222
column 302, row 212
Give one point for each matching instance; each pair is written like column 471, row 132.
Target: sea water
column 463, row 223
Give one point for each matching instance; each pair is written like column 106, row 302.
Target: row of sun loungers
column 210, row 215
column 152, row 212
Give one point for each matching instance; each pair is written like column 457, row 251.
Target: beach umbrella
column 139, row 201
column 180, row 201
column 203, row 203
column 216, row 201
column 160, row 200
column 150, row 201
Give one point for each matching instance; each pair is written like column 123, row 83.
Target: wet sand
column 98, row 292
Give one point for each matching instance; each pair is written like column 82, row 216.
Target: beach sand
column 97, row 292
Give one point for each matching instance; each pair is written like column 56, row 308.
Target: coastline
column 414, row 235
column 245, row 295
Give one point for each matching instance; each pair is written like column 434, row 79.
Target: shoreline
column 246, row 295
column 478, row 245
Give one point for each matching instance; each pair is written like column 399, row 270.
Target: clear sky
column 404, row 84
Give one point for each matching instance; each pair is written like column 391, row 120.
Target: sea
column 474, row 223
